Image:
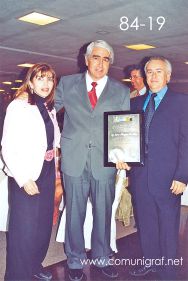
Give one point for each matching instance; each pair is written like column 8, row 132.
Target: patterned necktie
column 92, row 94
column 148, row 115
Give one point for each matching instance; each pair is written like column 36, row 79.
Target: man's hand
column 122, row 166
column 31, row 188
column 177, row 187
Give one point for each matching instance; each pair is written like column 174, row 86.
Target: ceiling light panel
column 25, row 65
column 139, row 47
column 38, row 18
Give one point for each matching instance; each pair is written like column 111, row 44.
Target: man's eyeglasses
column 135, row 77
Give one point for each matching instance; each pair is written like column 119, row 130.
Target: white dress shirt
column 142, row 91
column 100, row 84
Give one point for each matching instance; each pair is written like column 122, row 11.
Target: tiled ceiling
column 83, row 21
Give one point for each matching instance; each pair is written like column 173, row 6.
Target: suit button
column 90, row 145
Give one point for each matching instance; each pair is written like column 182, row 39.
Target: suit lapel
column 137, row 103
column 163, row 102
column 141, row 100
column 106, row 93
column 162, row 107
column 81, row 89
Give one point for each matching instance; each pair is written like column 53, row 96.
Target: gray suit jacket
column 83, row 126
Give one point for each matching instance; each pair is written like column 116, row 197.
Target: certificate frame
column 124, row 136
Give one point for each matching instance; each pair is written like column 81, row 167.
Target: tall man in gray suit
column 84, row 174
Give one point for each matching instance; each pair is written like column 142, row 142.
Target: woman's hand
column 31, row 188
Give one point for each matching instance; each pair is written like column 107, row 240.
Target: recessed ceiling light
column 26, row 64
column 14, row 88
column 139, row 47
column 186, row 62
column 7, row 82
column 1, row 90
column 126, row 80
column 102, row 32
column 18, row 81
column 38, row 18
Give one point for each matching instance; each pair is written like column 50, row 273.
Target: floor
column 129, row 249
column 56, row 251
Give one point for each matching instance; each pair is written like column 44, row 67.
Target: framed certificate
column 123, row 138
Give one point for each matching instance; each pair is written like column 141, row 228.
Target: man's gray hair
column 161, row 58
column 100, row 44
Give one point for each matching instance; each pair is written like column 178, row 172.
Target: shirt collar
column 142, row 91
column 89, row 80
column 161, row 93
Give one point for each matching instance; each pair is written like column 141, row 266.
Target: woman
column 30, row 135
column 3, row 198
